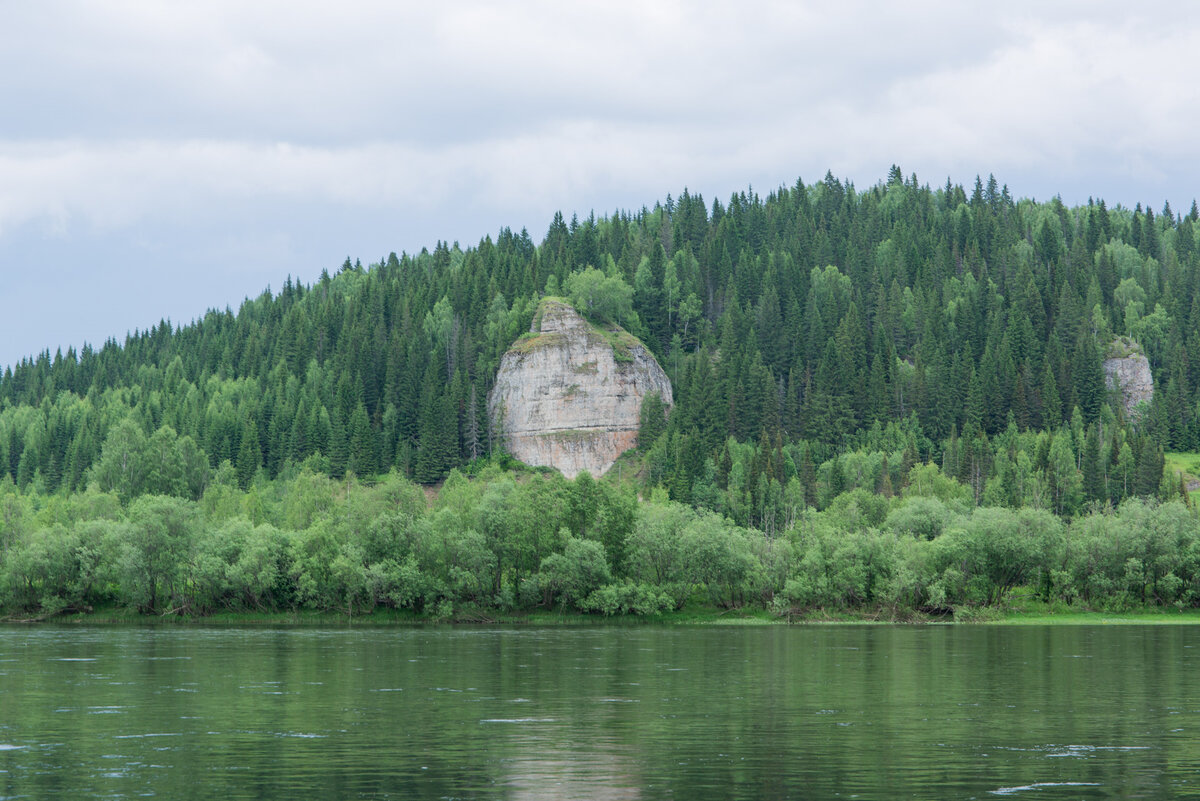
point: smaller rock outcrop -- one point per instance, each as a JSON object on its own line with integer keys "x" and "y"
{"x": 569, "y": 394}
{"x": 1128, "y": 371}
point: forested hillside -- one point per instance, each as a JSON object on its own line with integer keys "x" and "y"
{"x": 820, "y": 341}
{"x": 819, "y": 317}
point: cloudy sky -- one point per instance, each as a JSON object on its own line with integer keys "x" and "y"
{"x": 159, "y": 159}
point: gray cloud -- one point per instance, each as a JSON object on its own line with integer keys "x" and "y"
{"x": 199, "y": 151}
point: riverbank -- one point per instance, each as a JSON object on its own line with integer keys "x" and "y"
{"x": 1025, "y": 612}
{"x": 401, "y": 618}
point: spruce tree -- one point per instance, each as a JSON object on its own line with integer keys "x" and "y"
{"x": 1093, "y": 480}
{"x": 249, "y": 457}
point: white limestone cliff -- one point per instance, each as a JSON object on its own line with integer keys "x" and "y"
{"x": 1128, "y": 371}
{"x": 569, "y": 393}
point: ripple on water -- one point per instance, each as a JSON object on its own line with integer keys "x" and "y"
{"x": 1053, "y": 750}
{"x": 1039, "y": 785}
{"x": 142, "y": 736}
{"x": 1084, "y": 750}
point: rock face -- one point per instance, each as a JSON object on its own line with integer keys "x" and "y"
{"x": 1128, "y": 371}
{"x": 568, "y": 394}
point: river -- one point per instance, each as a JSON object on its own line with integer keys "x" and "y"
{"x": 611, "y": 712}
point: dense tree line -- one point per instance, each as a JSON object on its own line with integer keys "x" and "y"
{"x": 505, "y": 541}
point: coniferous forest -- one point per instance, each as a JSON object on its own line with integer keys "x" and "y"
{"x": 885, "y": 399}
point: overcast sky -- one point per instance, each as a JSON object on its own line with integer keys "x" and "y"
{"x": 159, "y": 159}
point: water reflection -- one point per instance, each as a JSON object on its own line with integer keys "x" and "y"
{"x": 648, "y": 713}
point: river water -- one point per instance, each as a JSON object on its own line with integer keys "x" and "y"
{"x": 613, "y": 712}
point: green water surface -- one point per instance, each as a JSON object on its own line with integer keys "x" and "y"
{"x": 610, "y": 712}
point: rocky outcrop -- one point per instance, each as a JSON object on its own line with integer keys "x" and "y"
{"x": 1128, "y": 371}
{"x": 568, "y": 394}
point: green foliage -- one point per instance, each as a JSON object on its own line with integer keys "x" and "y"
{"x": 922, "y": 517}
{"x": 54, "y": 571}
{"x": 149, "y": 554}
{"x": 627, "y": 598}
{"x": 572, "y": 575}
{"x": 600, "y": 297}
{"x": 897, "y": 357}
{"x": 122, "y": 467}
{"x": 165, "y": 464}
{"x": 501, "y": 542}
{"x": 983, "y": 557}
